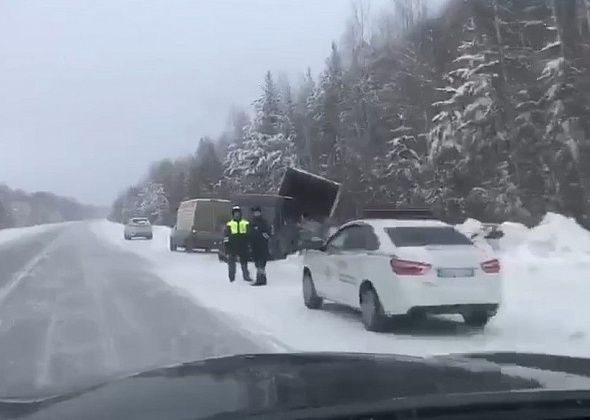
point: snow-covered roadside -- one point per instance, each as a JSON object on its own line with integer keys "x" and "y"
{"x": 544, "y": 308}
{"x": 11, "y": 234}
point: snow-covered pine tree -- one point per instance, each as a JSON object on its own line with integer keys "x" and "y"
{"x": 152, "y": 202}
{"x": 258, "y": 163}
{"x": 470, "y": 141}
{"x": 567, "y": 80}
{"x": 325, "y": 109}
{"x": 303, "y": 122}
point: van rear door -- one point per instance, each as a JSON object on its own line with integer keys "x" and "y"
{"x": 211, "y": 215}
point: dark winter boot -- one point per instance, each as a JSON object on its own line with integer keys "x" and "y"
{"x": 260, "y": 277}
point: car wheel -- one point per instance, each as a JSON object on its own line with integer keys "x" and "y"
{"x": 173, "y": 246}
{"x": 371, "y": 310}
{"x": 310, "y": 296}
{"x": 127, "y": 238}
{"x": 477, "y": 319}
{"x": 149, "y": 238}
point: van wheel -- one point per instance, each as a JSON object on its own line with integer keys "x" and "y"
{"x": 476, "y": 319}
{"x": 310, "y": 296}
{"x": 374, "y": 318}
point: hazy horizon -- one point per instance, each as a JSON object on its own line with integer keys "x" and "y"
{"x": 92, "y": 92}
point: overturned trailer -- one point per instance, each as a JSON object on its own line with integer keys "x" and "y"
{"x": 316, "y": 197}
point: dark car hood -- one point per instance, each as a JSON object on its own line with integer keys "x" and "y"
{"x": 277, "y": 383}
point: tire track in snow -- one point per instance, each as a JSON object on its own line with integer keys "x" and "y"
{"x": 27, "y": 270}
{"x": 43, "y": 378}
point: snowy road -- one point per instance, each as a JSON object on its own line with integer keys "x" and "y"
{"x": 78, "y": 302}
{"x": 75, "y": 309}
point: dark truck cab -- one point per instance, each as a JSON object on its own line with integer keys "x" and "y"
{"x": 281, "y": 213}
{"x": 304, "y": 199}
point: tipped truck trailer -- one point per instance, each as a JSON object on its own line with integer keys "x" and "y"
{"x": 199, "y": 224}
{"x": 316, "y": 197}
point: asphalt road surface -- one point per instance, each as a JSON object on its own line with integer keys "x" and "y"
{"x": 75, "y": 311}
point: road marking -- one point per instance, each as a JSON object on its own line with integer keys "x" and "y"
{"x": 26, "y": 271}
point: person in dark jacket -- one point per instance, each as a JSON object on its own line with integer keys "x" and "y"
{"x": 236, "y": 242}
{"x": 259, "y": 235}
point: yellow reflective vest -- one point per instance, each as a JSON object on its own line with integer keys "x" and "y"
{"x": 238, "y": 228}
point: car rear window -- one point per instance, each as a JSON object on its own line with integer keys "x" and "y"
{"x": 140, "y": 221}
{"x": 426, "y": 235}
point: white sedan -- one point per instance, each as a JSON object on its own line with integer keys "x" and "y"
{"x": 138, "y": 227}
{"x": 389, "y": 267}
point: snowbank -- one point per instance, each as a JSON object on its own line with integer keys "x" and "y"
{"x": 7, "y": 235}
{"x": 544, "y": 309}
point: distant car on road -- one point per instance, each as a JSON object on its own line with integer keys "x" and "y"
{"x": 138, "y": 227}
{"x": 200, "y": 224}
{"x": 392, "y": 267}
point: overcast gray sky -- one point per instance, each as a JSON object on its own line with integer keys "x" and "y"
{"x": 92, "y": 91}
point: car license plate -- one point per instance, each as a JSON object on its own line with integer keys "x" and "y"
{"x": 456, "y": 272}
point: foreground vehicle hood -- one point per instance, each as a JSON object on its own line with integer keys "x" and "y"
{"x": 270, "y": 384}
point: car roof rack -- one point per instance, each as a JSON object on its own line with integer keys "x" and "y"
{"x": 406, "y": 214}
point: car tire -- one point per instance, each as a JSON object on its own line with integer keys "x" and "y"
{"x": 310, "y": 296}
{"x": 173, "y": 246}
{"x": 476, "y": 319}
{"x": 127, "y": 238}
{"x": 149, "y": 238}
{"x": 372, "y": 314}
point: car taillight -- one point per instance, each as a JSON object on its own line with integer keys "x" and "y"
{"x": 409, "y": 268}
{"x": 491, "y": 266}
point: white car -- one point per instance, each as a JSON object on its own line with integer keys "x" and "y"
{"x": 389, "y": 267}
{"x": 138, "y": 227}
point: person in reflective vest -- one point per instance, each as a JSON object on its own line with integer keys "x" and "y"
{"x": 237, "y": 246}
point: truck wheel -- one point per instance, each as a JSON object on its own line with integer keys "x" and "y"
{"x": 310, "y": 296}
{"x": 374, "y": 318}
{"x": 476, "y": 319}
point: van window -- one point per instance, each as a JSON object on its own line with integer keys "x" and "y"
{"x": 140, "y": 221}
{"x": 426, "y": 235}
{"x": 185, "y": 215}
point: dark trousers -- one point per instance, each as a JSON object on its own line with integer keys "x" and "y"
{"x": 260, "y": 264}
{"x": 231, "y": 266}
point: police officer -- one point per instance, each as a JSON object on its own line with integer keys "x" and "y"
{"x": 259, "y": 235}
{"x": 236, "y": 243}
